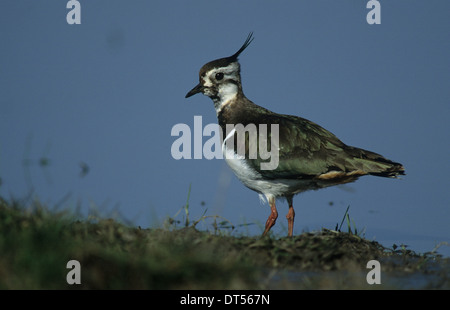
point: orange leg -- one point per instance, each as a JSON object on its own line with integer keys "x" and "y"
{"x": 290, "y": 217}
{"x": 272, "y": 217}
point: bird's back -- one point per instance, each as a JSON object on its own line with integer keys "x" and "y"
{"x": 307, "y": 150}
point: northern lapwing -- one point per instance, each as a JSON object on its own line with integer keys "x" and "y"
{"x": 309, "y": 156}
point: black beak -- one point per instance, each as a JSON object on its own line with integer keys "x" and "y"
{"x": 197, "y": 89}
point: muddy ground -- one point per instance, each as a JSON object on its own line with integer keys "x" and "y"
{"x": 36, "y": 245}
{"x": 328, "y": 260}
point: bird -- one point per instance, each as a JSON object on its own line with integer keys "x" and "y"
{"x": 309, "y": 156}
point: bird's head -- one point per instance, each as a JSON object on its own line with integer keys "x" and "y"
{"x": 220, "y": 79}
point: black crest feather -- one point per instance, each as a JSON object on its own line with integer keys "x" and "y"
{"x": 223, "y": 62}
{"x": 243, "y": 47}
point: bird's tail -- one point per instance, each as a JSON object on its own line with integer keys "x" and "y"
{"x": 375, "y": 164}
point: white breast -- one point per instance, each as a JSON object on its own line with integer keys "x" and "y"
{"x": 238, "y": 164}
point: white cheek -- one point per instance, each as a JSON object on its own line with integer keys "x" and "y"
{"x": 227, "y": 92}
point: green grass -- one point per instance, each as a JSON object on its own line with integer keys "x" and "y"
{"x": 36, "y": 244}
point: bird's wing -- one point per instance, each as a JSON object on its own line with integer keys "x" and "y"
{"x": 306, "y": 150}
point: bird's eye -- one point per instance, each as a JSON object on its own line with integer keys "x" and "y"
{"x": 219, "y": 76}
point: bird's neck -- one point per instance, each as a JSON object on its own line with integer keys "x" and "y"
{"x": 227, "y": 94}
